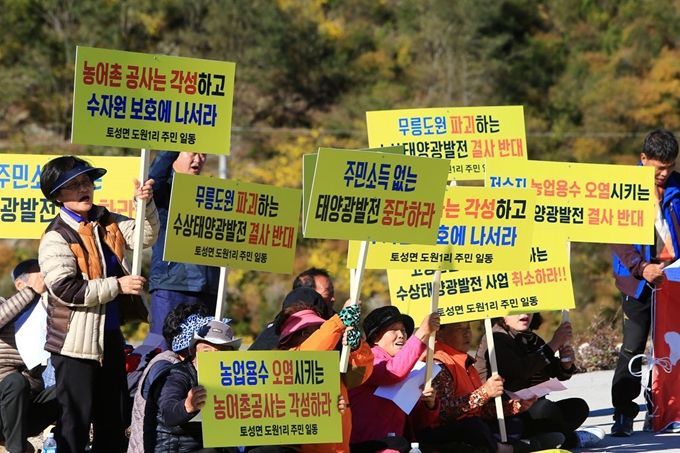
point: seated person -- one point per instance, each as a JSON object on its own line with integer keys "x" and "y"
{"x": 181, "y": 397}
{"x": 467, "y": 405}
{"x": 26, "y": 406}
{"x": 178, "y": 331}
{"x": 378, "y": 423}
{"x": 524, "y": 360}
{"x": 301, "y": 328}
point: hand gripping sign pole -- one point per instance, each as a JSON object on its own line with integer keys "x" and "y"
{"x": 356, "y": 276}
{"x": 494, "y": 372}
{"x": 140, "y": 216}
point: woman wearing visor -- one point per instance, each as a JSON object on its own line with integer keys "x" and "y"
{"x": 91, "y": 294}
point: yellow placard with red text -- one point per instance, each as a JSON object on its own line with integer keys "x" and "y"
{"x": 137, "y": 100}
{"x": 472, "y": 295}
{"x": 464, "y": 136}
{"x": 480, "y": 229}
{"x": 227, "y": 223}
{"x": 611, "y": 204}
{"x": 365, "y": 195}
{"x": 270, "y": 398}
{"x": 25, "y": 212}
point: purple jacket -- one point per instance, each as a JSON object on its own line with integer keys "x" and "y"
{"x": 374, "y": 417}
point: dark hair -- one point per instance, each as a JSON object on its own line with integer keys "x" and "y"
{"x": 289, "y": 310}
{"x": 55, "y": 169}
{"x": 661, "y": 145}
{"x": 171, "y": 326}
{"x": 306, "y": 278}
{"x": 535, "y": 323}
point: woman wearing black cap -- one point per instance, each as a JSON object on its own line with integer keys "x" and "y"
{"x": 374, "y": 418}
{"x": 82, "y": 257}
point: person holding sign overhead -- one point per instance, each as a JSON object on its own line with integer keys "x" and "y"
{"x": 172, "y": 283}
{"x": 90, "y": 295}
{"x": 524, "y": 360}
{"x": 378, "y": 423}
{"x": 639, "y": 272}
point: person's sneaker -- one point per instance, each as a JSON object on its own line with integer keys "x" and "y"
{"x": 587, "y": 437}
{"x": 623, "y": 426}
{"x": 547, "y": 441}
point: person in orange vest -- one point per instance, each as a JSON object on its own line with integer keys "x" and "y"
{"x": 467, "y": 405}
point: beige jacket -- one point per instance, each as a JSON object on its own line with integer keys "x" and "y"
{"x": 72, "y": 261}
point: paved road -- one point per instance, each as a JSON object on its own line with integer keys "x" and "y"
{"x": 595, "y": 388}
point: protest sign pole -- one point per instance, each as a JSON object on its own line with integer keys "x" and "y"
{"x": 434, "y": 306}
{"x": 221, "y": 305}
{"x": 355, "y": 278}
{"x": 140, "y": 216}
{"x": 494, "y": 372}
{"x": 565, "y": 313}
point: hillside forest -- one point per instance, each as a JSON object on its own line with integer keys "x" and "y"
{"x": 594, "y": 76}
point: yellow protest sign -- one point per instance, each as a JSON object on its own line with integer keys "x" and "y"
{"x": 612, "y": 204}
{"x": 270, "y": 397}
{"x": 375, "y": 196}
{"x": 25, "y": 213}
{"x": 472, "y": 295}
{"x": 308, "y": 167}
{"x": 137, "y": 100}
{"x": 464, "y": 136}
{"x": 227, "y": 223}
{"x": 480, "y": 229}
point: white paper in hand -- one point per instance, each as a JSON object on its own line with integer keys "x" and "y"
{"x": 407, "y": 393}
{"x": 542, "y": 389}
{"x": 30, "y": 335}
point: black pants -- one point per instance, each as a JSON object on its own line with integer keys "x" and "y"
{"x": 92, "y": 393}
{"x": 23, "y": 415}
{"x": 637, "y": 320}
{"x": 470, "y": 430}
{"x": 401, "y": 444}
{"x": 563, "y": 416}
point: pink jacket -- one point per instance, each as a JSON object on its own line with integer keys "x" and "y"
{"x": 374, "y": 417}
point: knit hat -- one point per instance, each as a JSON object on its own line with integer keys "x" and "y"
{"x": 216, "y": 333}
{"x": 298, "y": 321}
{"x": 383, "y": 317}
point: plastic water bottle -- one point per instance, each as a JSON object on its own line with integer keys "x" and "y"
{"x": 415, "y": 447}
{"x": 50, "y": 444}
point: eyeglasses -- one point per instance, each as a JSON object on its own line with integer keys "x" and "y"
{"x": 75, "y": 186}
